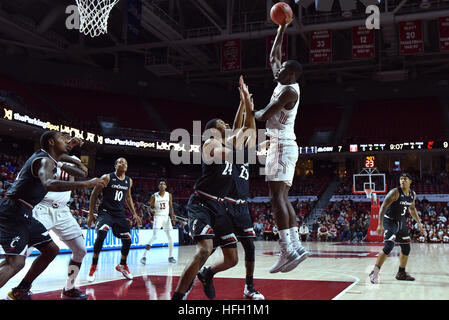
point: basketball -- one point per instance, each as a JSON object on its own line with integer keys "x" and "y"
{"x": 281, "y": 13}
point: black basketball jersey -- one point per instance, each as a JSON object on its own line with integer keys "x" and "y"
{"x": 114, "y": 195}
{"x": 28, "y": 186}
{"x": 400, "y": 207}
{"x": 240, "y": 176}
{"x": 216, "y": 179}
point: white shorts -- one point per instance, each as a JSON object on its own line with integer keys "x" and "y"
{"x": 59, "y": 220}
{"x": 281, "y": 161}
{"x": 162, "y": 222}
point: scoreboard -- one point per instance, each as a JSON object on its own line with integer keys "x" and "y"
{"x": 377, "y": 147}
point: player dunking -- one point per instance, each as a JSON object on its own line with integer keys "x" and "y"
{"x": 19, "y": 230}
{"x": 394, "y": 227}
{"x": 280, "y": 116}
{"x": 161, "y": 205}
{"x": 112, "y": 215}
{"x": 236, "y": 201}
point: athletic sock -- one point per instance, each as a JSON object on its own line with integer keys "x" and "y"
{"x": 401, "y": 269}
{"x": 95, "y": 261}
{"x": 284, "y": 235}
{"x": 294, "y": 235}
{"x": 74, "y": 269}
{"x": 123, "y": 261}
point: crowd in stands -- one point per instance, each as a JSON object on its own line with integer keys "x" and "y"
{"x": 345, "y": 220}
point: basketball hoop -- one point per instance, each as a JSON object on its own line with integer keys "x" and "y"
{"x": 94, "y": 16}
{"x": 368, "y": 192}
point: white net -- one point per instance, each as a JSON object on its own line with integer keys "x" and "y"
{"x": 94, "y": 16}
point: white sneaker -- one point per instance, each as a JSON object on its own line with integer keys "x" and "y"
{"x": 252, "y": 294}
{"x": 374, "y": 276}
{"x": 92, "y": 273}
{"x": 125, "y": 271}
{"x": 287, "y": 256}
{"x": 303, "y": 254}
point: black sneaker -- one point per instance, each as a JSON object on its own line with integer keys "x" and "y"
{"x": 73, "y": 294}
{"x": 172, "y": 260}
{"x": 205, "y": 276}
{"x": 404, "y": 276}
{"x": 19, "y": 294}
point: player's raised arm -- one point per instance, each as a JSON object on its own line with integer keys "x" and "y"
{"x": 79, "y": 170}
{"x": 94, "y": 197}
{"x": 391, "y": 197}
{"x": 45, "y": 170}
{"x": 238, "y": 119}
{"x": 214, "y": 149}
{"x": 287, "y": 97}
{"x": 276, "y": 50}
{"x": 415, "y": 215}
{"x": 250, "y": 121}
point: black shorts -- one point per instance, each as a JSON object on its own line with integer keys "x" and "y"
{"x": 18, "y": 233}
{"x": 396, "y": 230}
{"x": 208, "y": 220}
{"x": 117, "y": 223}
{"x": 241, "y": 219}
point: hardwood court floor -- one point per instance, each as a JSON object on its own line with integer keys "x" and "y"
{"x": 333, "y": 271}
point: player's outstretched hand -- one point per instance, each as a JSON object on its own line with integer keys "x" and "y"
{"x": 95, "y": 182}
{"x": 90, "y": 219}
{"x": 137, "y": 220}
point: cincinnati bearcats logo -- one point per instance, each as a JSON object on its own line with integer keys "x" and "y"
{"x": 14, "y": 242}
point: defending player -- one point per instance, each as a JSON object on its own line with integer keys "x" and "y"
{"x": 162, "y": 209}
{"x": 394, "y": 227}
{"x": 280, "y": 116}
{"x": 112, "y": 215}
{"x": 19, "y": 230}
{"x": 236, "y": 201}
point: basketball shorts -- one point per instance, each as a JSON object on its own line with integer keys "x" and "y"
{"x": 396, "y": 230}
{"x": 208, "y": 220}
{"x": 59, "y": 220}
{"x": 281, "y": 161}
{"x": 241, "y": 219}
{"x": 18, "y": 233}
{"x": 118, "y": 224}
{"x": 162, "y": 222}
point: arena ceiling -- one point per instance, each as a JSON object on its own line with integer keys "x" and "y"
{"x": 182, "y": 38}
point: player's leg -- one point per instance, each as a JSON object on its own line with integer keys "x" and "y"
{"x": 168, "y": 227}
{"x": 121, "y": 230}
{"x": 404, "y": 238}
{"x": 103, "y": 225}
{"x": 203, "y": 251}
{"x": 282, "y": 218}
{"x": 294, "y": 235}
{"x": 69, "y": 231}
{"x": 391, "y": 228}
{"x": 10, "y": 267}
{"x": 156, "y": 230}
{"x": 78, "y": 252}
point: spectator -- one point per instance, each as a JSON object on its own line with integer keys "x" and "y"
{"x": 323, "y": 233}
{"x": 304, "y": 232}
{"x": 333, "y": 232}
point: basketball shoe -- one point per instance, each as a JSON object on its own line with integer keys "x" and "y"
{"x": 93, "y": 270}
{"x": 124, "y": 270}
{"x": 287, "y": 257}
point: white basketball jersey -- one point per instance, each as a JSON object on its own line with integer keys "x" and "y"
{"x": 62, "y": 198}
{"x": 282, "y": 124}
{"x": 162, "y": 204}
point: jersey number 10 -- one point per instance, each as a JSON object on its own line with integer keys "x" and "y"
{"x": 118, "y": 195}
